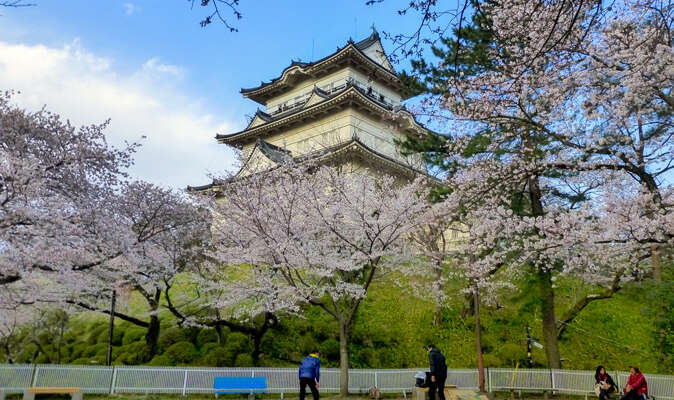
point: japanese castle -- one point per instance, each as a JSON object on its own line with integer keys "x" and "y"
{"x": 344, "y": 109}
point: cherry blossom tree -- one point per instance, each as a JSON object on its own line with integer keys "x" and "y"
{"x": 53, "y": 178}
{"x": 601, "y": 88}
{"x": 72, "y": 229}
{"x": 311, "y": 236}
{"x": 168, "y": 234}
{"x": 544, "y": 98}
{"x": 204, "y": 301}
{"x": 502, "y": 241}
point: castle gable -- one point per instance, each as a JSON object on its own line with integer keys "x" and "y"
{"x": 367, "y": 57}
{"x": 373, "y": 49}
{"x": 317, "y": 96}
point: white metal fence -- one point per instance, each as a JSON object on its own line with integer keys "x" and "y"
{"x": 15, "y": 378}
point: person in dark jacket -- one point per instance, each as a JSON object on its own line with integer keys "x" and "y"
{"x": 438, "y": 373}
{"x": 310, "y": 374}
{"x": 605, "y": 382}
{"x": 636, "y": 387}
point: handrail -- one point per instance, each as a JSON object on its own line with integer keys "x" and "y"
{"x": 189, "y": 380}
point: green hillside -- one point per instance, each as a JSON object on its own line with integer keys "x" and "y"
{"x": 391, "y": 330}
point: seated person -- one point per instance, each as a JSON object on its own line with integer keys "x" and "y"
{"x": 636, "y": 388}
{"x": 604, "y": 383}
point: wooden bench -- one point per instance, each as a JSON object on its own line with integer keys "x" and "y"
{"x": 74, "y": 392}
{"x": 239, "y": 384}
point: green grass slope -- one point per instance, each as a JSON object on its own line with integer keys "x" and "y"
{"x": 391, "y": 330}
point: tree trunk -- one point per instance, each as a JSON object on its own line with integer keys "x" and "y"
{"x": 468, "y": 309}
{"x": 257, "y": 341}
{"x": 111, "y": 327}
{"x": 343, "y": 358}
{"x": 549, "y": 319}
{"x": 478, "y": 340}
{"x": 60, "y": 342}
{"x": 437, "y": 313}
{"x": 152, "y": 336}
{"x": 655, "y": 263}
{"x": 221, "y": 335}
{"x": 545, "y": 282}
{"x": 8, "y": 353}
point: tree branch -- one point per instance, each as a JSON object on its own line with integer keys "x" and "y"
{"x": 16, "y": 4}
{"x": 580, "y": 305}
{"x": 121, "y": 316}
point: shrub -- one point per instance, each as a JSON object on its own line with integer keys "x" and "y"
{"x": 208, "y": 347}
{"x": 170, "y": 337}
{"x": 243, "y": 360}
{"x": 181, "y": 352}
{"x": 95, "y": 333}
{"x": 236, "y": 343}
{"x": 161, "y": 361}
{"x": 307, "y": 343}
{"x": 491, "y": 361}
{"x": 77, "y": 351}
{"x": 510, "y": 353}
{"x": 102, "y": 350}
{"x": 215, "y": 357}
{"x": 207, "y": 336}
{"x": 91, "y": 351}
{"x": 118, "y": 336}
{"x": 330, "y": 348}
{"x": 191, "y": 333}
{"x": 133, "y": 334}
{"x": 132, "y": 354}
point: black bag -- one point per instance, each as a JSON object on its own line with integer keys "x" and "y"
{"x": 423, "y": 379}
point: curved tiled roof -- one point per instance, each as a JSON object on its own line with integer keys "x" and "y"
{"x": 275, "y": 153}
{"x": 355, "y": 144}
{"x": 347, "y": 147}
{"x": 350, "y": 91}
{"x": 260, "y": 93}
{"x": 209, "y": 186}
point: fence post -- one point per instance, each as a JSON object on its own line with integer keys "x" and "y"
{"x": 113, "y": 381}
{"x": 185, "y": 383}
{"x": 375, "y": 379}
{"x": 488, "y": 380}
{"x": 37, "y": 371}
{"x": 552, "y": 382}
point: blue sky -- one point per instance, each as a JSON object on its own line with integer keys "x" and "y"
{"x": 154, "y": 71}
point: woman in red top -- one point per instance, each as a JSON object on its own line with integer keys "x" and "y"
{"x": 636, "y": 388}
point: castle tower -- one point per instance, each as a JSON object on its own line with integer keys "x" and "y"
{"x": 344, "y": 109}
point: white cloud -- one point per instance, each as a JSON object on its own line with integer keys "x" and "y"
{"x": 130, "y": 8}
{"x": 153, "y": 66}
{"x": 179, "y": 149}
